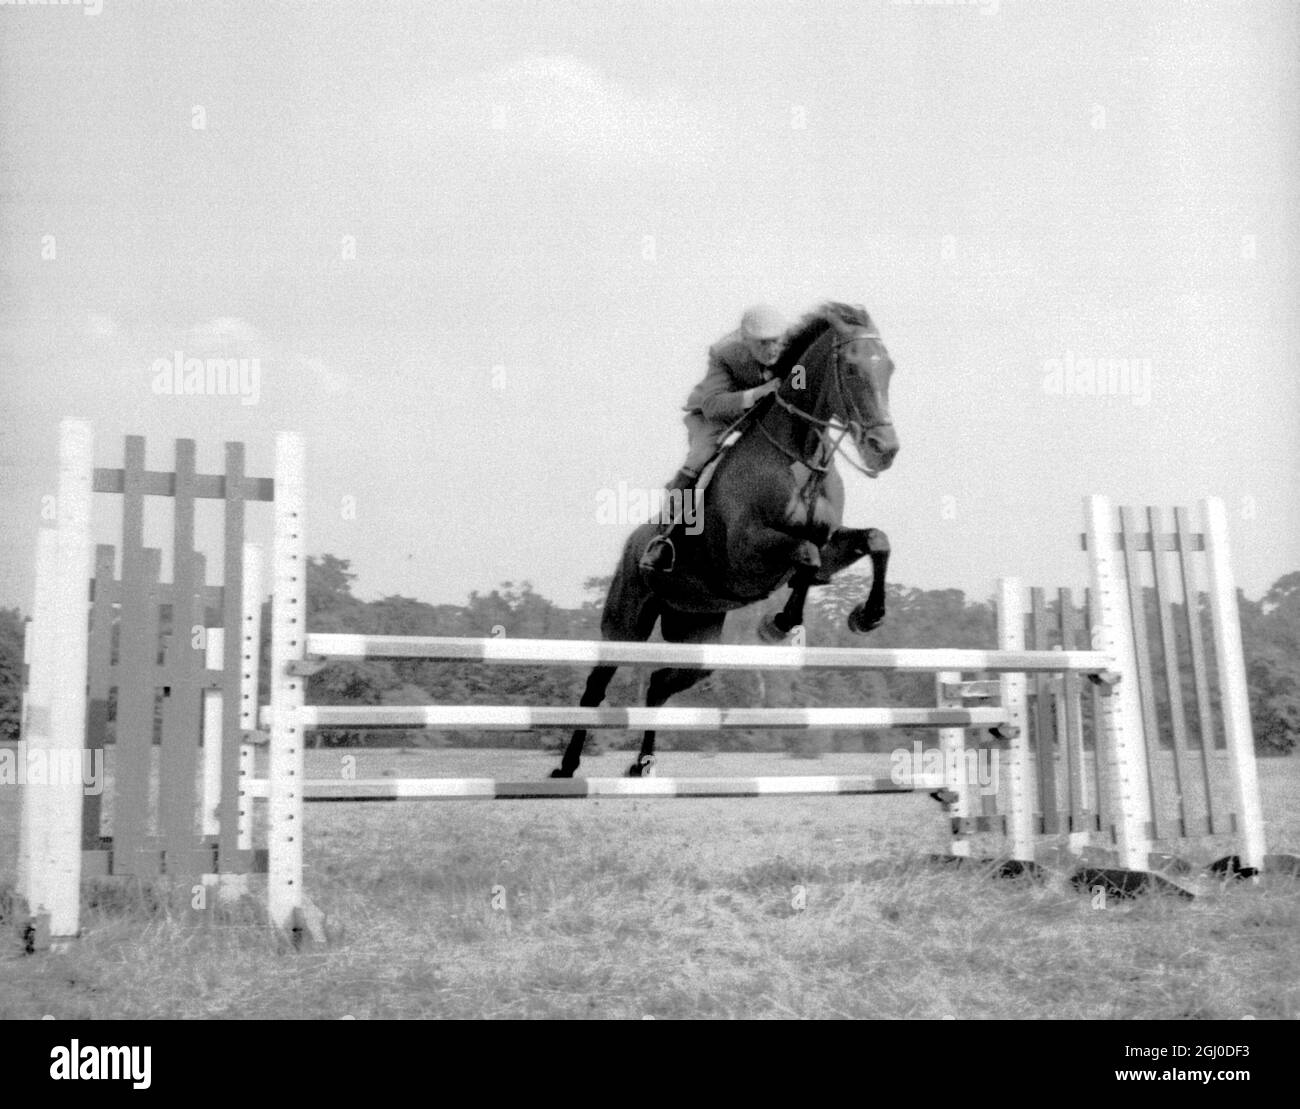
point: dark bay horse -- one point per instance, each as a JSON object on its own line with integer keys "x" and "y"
{"x": 771, "y": 513}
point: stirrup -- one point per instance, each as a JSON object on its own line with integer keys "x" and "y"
{"x": 647, "y": 562}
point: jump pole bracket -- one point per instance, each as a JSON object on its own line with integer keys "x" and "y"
{"x": 979, "y": 690}
{"x": 305, "y": 667}
{"x": 308, "y": 930}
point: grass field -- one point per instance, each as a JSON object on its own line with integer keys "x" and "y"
{"x": 775, "y": 907}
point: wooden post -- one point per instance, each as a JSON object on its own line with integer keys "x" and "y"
{"x": 1082, "y": 808}
{"x": 54, "y": 712}
{"x": 249, "y": 652}
{"x": 1120, "y": 732}
{"x": 1232, "y": 683}
{"x": 1020, "y": 793}
{"x": 211, "y": 816}
{"x": 233, "y": 884}
{"x": 288, "y": 643}
{"x": 952, "y": 745}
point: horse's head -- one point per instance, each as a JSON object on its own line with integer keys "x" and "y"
{"x": 860, "y": 373}
{"x": 848, "y": 372}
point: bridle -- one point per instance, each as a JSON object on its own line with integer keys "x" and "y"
{"x": 825, "y": 427}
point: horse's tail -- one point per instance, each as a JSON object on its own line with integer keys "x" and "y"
{"x": 631, "y": 607}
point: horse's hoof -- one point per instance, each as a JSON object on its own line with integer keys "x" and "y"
{"x": 861, "y": 622}
{"x": 643, "y": 768}
{"x": 807, "y": 556}
{"x": 560, "y": 772}
{"x": 769, "y": 631}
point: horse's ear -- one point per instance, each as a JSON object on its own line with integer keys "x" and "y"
{"x": 836, "y": 316}
{"x": 845, "y": 317}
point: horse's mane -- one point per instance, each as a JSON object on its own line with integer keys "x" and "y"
{"x": 805, "y": 331}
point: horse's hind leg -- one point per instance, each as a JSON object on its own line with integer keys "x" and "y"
{"x": 597, "y": 683}
{"x": 663, "y": 684}
{"x": 677, "y": 627}
{"x": 629, "y": 617}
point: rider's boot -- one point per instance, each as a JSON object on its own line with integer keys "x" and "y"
{"x": 659, "y": 555}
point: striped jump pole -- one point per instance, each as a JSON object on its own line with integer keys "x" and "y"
{"x": 511, "y": 718}
{"x": 711, "y": 656}
{"x": 491, "y": 789}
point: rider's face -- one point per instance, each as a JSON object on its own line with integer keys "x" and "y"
{"x": 765, "y": 351}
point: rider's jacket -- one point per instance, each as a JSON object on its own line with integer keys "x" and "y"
{"x": 732, "y": 370}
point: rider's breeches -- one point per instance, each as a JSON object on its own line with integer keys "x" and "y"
{"x": 702, "y": 438}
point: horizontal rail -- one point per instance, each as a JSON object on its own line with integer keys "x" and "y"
{"x": 1143, "y": 541}
{"x": 523, "y": 717}
{"x": 712, "y": 656}
{"x": 161, "y": 483}
{"x": 490, "y": 789}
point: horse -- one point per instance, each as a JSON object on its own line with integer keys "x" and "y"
{"x": 771, "y": 515}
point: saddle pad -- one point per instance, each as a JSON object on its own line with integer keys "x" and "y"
{"x": 706, "y": 475}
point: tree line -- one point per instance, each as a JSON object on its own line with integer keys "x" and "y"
{"x": 917, "y": 618}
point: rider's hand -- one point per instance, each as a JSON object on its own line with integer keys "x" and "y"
{"x": 754, "y": 395}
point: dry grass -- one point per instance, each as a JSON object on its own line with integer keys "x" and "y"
{"x": 778, "y": 907}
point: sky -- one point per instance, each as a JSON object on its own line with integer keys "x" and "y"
{"x": 476, "y": 254}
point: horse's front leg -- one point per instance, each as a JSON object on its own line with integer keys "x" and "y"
{"x": 845, "y": 547}
{"x": 784, "y": 552}
{"x": 776, "y": 628}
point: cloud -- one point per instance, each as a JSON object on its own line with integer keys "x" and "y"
{"x": 100, "y": 325}
{"x": 563, "y": 104}
{"x": 220, "y": 334}
{"x": 327, "y": 380}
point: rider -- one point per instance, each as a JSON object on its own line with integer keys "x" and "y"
{"x": 740, "y": 374}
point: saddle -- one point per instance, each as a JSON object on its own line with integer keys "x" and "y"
{"x": 653, "y": 554}
{"x": 730, "y": 437}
